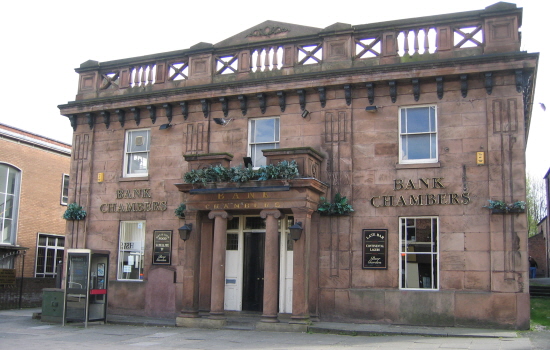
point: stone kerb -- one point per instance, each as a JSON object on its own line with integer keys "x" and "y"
{"x": 307, "y": 159}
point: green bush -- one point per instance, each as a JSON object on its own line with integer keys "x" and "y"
{"x": 218, "y": 173}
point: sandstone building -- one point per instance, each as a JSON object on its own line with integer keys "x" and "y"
{"x": 417, "y": 122}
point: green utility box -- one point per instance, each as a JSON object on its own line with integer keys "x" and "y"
{"x": 53, "y": 300}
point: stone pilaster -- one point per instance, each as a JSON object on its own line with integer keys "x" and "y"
{"x": 271, "y": 266}
{"x": 300, "y": 288}
{"x": 191, "y": 267}
{"x": 218, "y": 263}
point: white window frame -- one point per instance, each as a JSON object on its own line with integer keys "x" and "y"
{"x": 137, "y": 251}
{"x": 252, "y": 142}
{"x": 58, "y": 254}
{"x": 128, "y": 154}
{"x": 64, "y": 186}
{"x": 404, "y": 134}
{"x": 15, "y": 205}
{"x": 405, "y": 255}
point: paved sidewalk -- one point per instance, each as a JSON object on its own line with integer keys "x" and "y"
{"x": 19, "y": 331}
{"x": 319, "y": 327}
{"x": 351, "y": 328}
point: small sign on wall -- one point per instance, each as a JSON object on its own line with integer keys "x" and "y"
{"x": 162, "y": 247}
{"x": 375, "y": 249}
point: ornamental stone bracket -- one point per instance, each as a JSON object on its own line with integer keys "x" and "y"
{"x": 201, "y": 161}
{"x": 308, "y": 159}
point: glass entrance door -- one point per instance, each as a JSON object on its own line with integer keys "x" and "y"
{"x": 244, "y": 264}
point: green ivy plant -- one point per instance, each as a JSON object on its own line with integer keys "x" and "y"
{"x": 218, "y": 173}
{"x": 180, "y": 211}
{"x": 339, "y": 206}
{"x": 518, "y": 206}
{"x": 74, "y": 212}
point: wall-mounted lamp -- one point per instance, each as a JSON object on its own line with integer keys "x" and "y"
{"x": 185, "y": 231}
{"x": 371, "y": 109}
{"x": 165, "y": 126}
{"x": 296, "y": 231}
{"x": 305, "y": 113}
{"x": 221, "y": 121}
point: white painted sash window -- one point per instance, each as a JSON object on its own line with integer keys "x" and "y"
{"x": 418, "y": 135}
{"x": 263, "y": 134}
{"x": 136, "y": 152}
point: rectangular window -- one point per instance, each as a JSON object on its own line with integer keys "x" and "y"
{"x": 49, "y": 254}
{"x": 131, "y": 250}
{"x": 419, "y": 253}
{"x": 136, "y": 152}
{"x": 65, "y": 190}
{"x": 418, "y": 135}
{"x": 263, "y": 134}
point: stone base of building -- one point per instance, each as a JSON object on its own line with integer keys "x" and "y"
{"x": 200, "y": 322}
{"x": 281, "y": 327}
{"x": 424, "y": 308}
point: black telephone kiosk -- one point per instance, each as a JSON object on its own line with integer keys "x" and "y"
{"x": 86, "y": 286}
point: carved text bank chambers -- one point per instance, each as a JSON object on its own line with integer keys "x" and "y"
{"x": 417, "y": 122}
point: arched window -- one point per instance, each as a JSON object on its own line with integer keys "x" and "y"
{"x": 10, "y": 178}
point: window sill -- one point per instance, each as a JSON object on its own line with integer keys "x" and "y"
{"x": 419, "y": 289}
{"x": 136, "y": 178}
{"x": 418, "y": 165}
{"x": 130, "y": 281}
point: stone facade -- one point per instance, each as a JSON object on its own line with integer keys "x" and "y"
{"x": 338, "y": 113}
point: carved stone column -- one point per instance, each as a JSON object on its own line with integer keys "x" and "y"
{"x": 218, "y": 263}
{"x": 271, "y": 265}
{"x": 190, "y": 250}
{"x": 300, "y": 283}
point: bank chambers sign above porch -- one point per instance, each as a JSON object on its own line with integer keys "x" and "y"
{"x": 141, "y": 203}
{"x": 435, "y": 183}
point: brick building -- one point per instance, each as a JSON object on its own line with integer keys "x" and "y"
{"x": 417, "y": 122}
{"x": 34, "y": 173}
{"x": 538, "y": 248}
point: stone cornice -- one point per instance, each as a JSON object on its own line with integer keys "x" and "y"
{"x": 463, "y": 65}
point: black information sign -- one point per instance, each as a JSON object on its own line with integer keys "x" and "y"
{"x": 162, "y": 247}
{"x": 7, "y": 277}
{"x": 375, "y": 251}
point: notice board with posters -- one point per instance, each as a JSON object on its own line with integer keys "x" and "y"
{"x": 375, "y": 248}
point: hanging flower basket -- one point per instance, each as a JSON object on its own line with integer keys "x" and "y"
{"x": 500, "y": 207}
{"x": 180, "y": 211}
{"x": 74, "y": 212}
{"x": 339, "y": 207}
